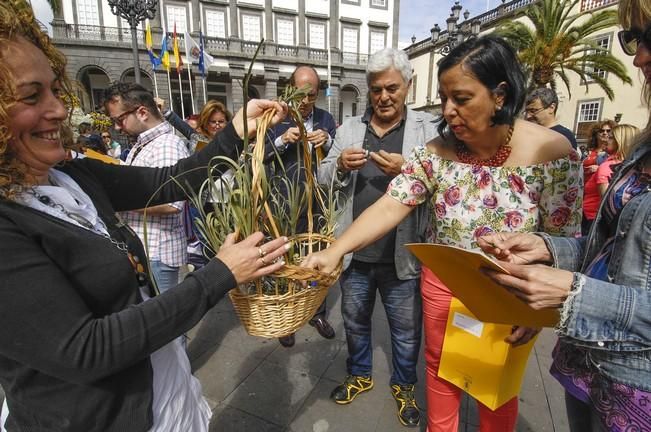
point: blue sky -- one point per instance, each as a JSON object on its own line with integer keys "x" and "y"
{"x": 417, "y": 17}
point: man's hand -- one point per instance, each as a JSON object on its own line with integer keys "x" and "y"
{"x": 291, "y": 135}
{"x": 389, "y": 163}
{"x": 160, "y": 103}
{"x": 318, "y": 137}
{"x": 351, "y": 159}
{"x": 255, "y": 109}
{"x": 160, "y": 210}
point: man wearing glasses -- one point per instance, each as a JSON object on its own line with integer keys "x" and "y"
{"x": 541, "y": 106}
{"x": 284, "y": 157}
{"x": 134, "y": 112}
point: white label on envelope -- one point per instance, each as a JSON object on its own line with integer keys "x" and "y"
{"x": 468, "y": 324}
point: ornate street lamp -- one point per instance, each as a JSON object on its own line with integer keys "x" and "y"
{"x": 455, "y": 33}
{"x": 134, "y": 12}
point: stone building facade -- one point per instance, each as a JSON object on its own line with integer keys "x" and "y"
{"x": 334, "y": 36}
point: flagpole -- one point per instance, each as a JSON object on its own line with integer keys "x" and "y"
{"x": 203, "y": 80}
{"x": 181, "y": 93}
{"x": 155, "y": 83}
{"x": 329, "y": 71}
{"x": 191, "y": 93}
{"x": 169, "y": 87}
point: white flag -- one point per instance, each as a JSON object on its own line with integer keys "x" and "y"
{"x": 194, "y": 52}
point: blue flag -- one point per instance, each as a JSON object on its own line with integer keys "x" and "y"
{"x": 202, "y": 67}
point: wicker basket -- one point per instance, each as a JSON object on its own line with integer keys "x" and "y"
{"x": 281, "y": 314}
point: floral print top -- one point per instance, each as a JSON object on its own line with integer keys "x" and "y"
{"x": 469, "y": 201}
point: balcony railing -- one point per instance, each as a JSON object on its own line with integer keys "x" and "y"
{"x": 95, "y": 33}
{"x": 220, "y": 47}
{"x": 485, "y": 19}
{"x": 587, "y": 5}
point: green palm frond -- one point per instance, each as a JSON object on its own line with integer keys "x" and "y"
{"x": 556, "y": 42}
{"x": 55, "y": 5}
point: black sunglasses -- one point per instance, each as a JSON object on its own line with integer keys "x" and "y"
{"x": 630, "y": 39}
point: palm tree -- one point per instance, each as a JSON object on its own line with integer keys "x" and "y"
{"x": 55, "y": 5}
{"x": 557, "y": 44}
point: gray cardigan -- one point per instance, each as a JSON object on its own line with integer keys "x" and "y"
{"x": 420, "y": 128}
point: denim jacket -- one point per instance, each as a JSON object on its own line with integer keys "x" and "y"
{"x": 611, "y": 320}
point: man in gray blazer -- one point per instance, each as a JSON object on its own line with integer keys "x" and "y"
{"x": 367, "y": 153}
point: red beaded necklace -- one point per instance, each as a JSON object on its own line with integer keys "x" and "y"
{"x": 501, "y": 155}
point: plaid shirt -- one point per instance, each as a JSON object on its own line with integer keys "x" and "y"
{"x": 166, "y": 240}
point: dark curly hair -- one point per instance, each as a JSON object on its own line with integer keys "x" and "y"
{"x": 17, "y": 21}
{"x": 492, "y": 61}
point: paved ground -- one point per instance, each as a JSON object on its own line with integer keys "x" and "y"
{"x": 256, "y": 385}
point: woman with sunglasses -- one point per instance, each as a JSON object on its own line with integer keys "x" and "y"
{"x": 598, "y": 154}
{"x": 601, "y": 284}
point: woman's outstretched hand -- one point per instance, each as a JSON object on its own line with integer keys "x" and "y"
{"x": 249, "y": 260}
{"x": 254, "y": 110}
{"x": 517, "y": 248}
{"x": 324, "y": 261}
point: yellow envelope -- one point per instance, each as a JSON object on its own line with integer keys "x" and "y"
{"x": 476, "y": 359}
{"x": 458, "y": 269}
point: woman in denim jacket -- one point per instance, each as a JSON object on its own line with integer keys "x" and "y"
{"x": 601, "y": 283}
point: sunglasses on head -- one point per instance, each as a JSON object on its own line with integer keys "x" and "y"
{"x": 631, "y": 39}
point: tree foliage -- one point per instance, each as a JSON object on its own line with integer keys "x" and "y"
{"x": 55, "y": 5}
{"x": 560, "y": 43}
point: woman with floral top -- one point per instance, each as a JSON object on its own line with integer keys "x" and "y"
{"x": 486, "y": 172}
{"x": 601, "y": 283}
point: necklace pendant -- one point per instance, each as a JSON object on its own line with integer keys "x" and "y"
{"x": 44, "y": 199}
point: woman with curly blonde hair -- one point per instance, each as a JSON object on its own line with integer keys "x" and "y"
{"x": 85, "y": 342}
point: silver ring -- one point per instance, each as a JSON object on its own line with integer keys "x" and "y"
{"x": 261, "y": 253}
{"x": 263, "y": 261}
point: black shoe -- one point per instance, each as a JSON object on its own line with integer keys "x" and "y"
{"x": 287, "y": 341}
{"x": 352, "y": 386}
{"x": 408, "y": 412}
{"x": 323, "y": 327}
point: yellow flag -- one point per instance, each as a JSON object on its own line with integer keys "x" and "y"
{"x": 164, "y": 54}
{"x": 148, "y": 42}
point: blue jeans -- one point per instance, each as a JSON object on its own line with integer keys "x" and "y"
{"x": 403, "y": 306}
{"x": 166, "y": 276}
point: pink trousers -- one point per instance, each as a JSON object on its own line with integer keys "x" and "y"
{"x": 443, "y": 398}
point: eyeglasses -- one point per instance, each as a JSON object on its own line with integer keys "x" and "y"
{"x": 106, "y": 136}
{"x": 120, "y": 119}
{"x": 311, "y": 97}
{"x": 533, "y": 111}
{"x": 631, "y": 39}
{"x": 605, "y": 131}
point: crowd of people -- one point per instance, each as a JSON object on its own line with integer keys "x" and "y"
{"x": 93, "y": 305}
